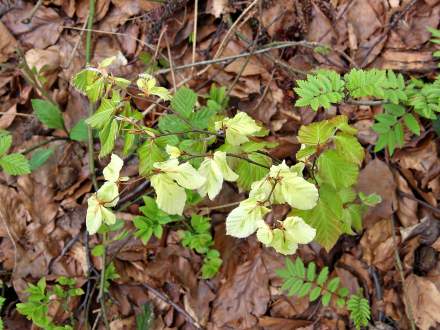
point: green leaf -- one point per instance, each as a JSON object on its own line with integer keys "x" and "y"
{"x": 336, "y": 170}
{"x": 201, "y": 118}
{"x": 360, "y": 312}
{"x": 315, "y": 293}
{"x": 325, "y": 217}
{"x": 349, "y": 147}
{"x": 326, "y": 298}
{"x": 311, "y": 271}
{"x": 103, "y": 114}
{"x": 145, "y": 319}
{"x": 48, "y": 113}
{"x": 323, "y": 88}
{"x": 343, "y": 292}
{"x": 295, "y": 286}
{"x": 173, "y": 124}
{"x": 323, "y": 276}
{"x": 79, "y": 132}
{"x": 184, "y": 101}
{"x": 5, "y": 142}
{"x": 107, "y": 137}
{"x": 149, "y": 153}
{"x": 84, "y": 78}
{"x": 317, "y": 133}
{"x": 211, "y": 264}
{"x": 340, "y": 302}
{"x": 290, "y": 266}
{"x": 39, "y": 157}
{"x": 333, "y": 284}
{"x": 304, "y": 290}
{"x": 98, "y": 250}
{"x": 15, "y": 164}
{"x": 412, "y": 123}
{"x": 299, "y": 267}
{"x": 248, "y": 172}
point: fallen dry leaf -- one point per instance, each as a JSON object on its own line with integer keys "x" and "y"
{"x": 243, "y": 297}
{"x": 377, "y": 178}
{"x": 43, "y": 31}
{"x": 7, "y": 43}
{"x": 424, "y": 299}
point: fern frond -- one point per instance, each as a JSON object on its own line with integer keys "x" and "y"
{"x": 360, "y": 312}
{"x": 321, "y": 89}
{"x": 425, "y": 100}
{"x": 394, "y": 87}
{"x": 362, "y": 83}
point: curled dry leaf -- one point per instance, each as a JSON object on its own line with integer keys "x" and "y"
{"x": 7, "y": 117}
{"x": 407, "y": 208}
{"x": 424, "y": 299}
{"x": 378, "y": 246}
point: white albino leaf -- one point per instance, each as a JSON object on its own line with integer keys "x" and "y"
{"x": 245, "y": 219}
{"x": 187, "y": 176}
{"x": 296, "y": 191}
{"x": 264, "y": 234}
{"x": 261, "y": 190}
{"x": 214, "y": 179}
{"x": 94, "y": 215}
{"x": 147, "y": 84}
{"x": 172, "y": 151}
{"x": 281, "y": 244}
{"x": 238, "y": 128}
{"x": 108, "y": 194}
{"x": 171, "y": 197}
{"x": 112, "y": 170}
{"x": 221, "y": 161}
{"x": 108, "y": 216}
{"x": 296, "y": 230}
{"x": 215, "y": 170}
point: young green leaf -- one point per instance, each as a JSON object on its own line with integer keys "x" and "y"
{"x": 5, "y": 142}
{"x": 412, "y": 123}
{"x": 79, "y": 131}
{"x": 48, "y": 113}
{"x": 183, "y": 101}
{"x": 39, "y": 157}
{"x": 15, "y": 164}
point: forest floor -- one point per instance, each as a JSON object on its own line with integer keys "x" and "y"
{"x": 395, "y": 258}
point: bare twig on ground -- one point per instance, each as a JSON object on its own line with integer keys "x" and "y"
{"x": 399, "y": 267}
{"x": 28, "y": 18}
{"x": 387, "y": 30}
{"x": 428, "y": 206}
{"x": 194, "y": 36}
{"x": 167, "y": 300}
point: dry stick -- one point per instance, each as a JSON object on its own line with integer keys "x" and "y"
{"x": 75, "y": 48}
{"x": 14, "y": 245}
{"x": 28, "y": 19}
{"x": 245, "y": 64}
{"x": 101, "y": 294}
{"x": 89, "y": 29}
{"x": 167, "y": 300}
{"x": 43, "y": 143}
{"x": 194, "y": 39}
{"x": 428, "y": 206}
{"x": 400, "y": 269}
{"x": 17, "y": 114}
{"x": 170, "y": 59}
{"x": 231, "y": 58}
{"x": 31, "y": 78}
{"x": 387, "y": 30}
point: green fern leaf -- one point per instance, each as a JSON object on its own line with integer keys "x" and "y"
{"x": 321, "y": 89}
{"x": 359, "y": 309}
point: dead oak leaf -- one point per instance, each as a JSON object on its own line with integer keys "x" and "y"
{"x": 243, "y": 297}
{"x": 424, "y": 299}
{"x": 43, "y": 30}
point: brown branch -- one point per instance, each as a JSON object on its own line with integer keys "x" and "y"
{"x": 167, "y": 300}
